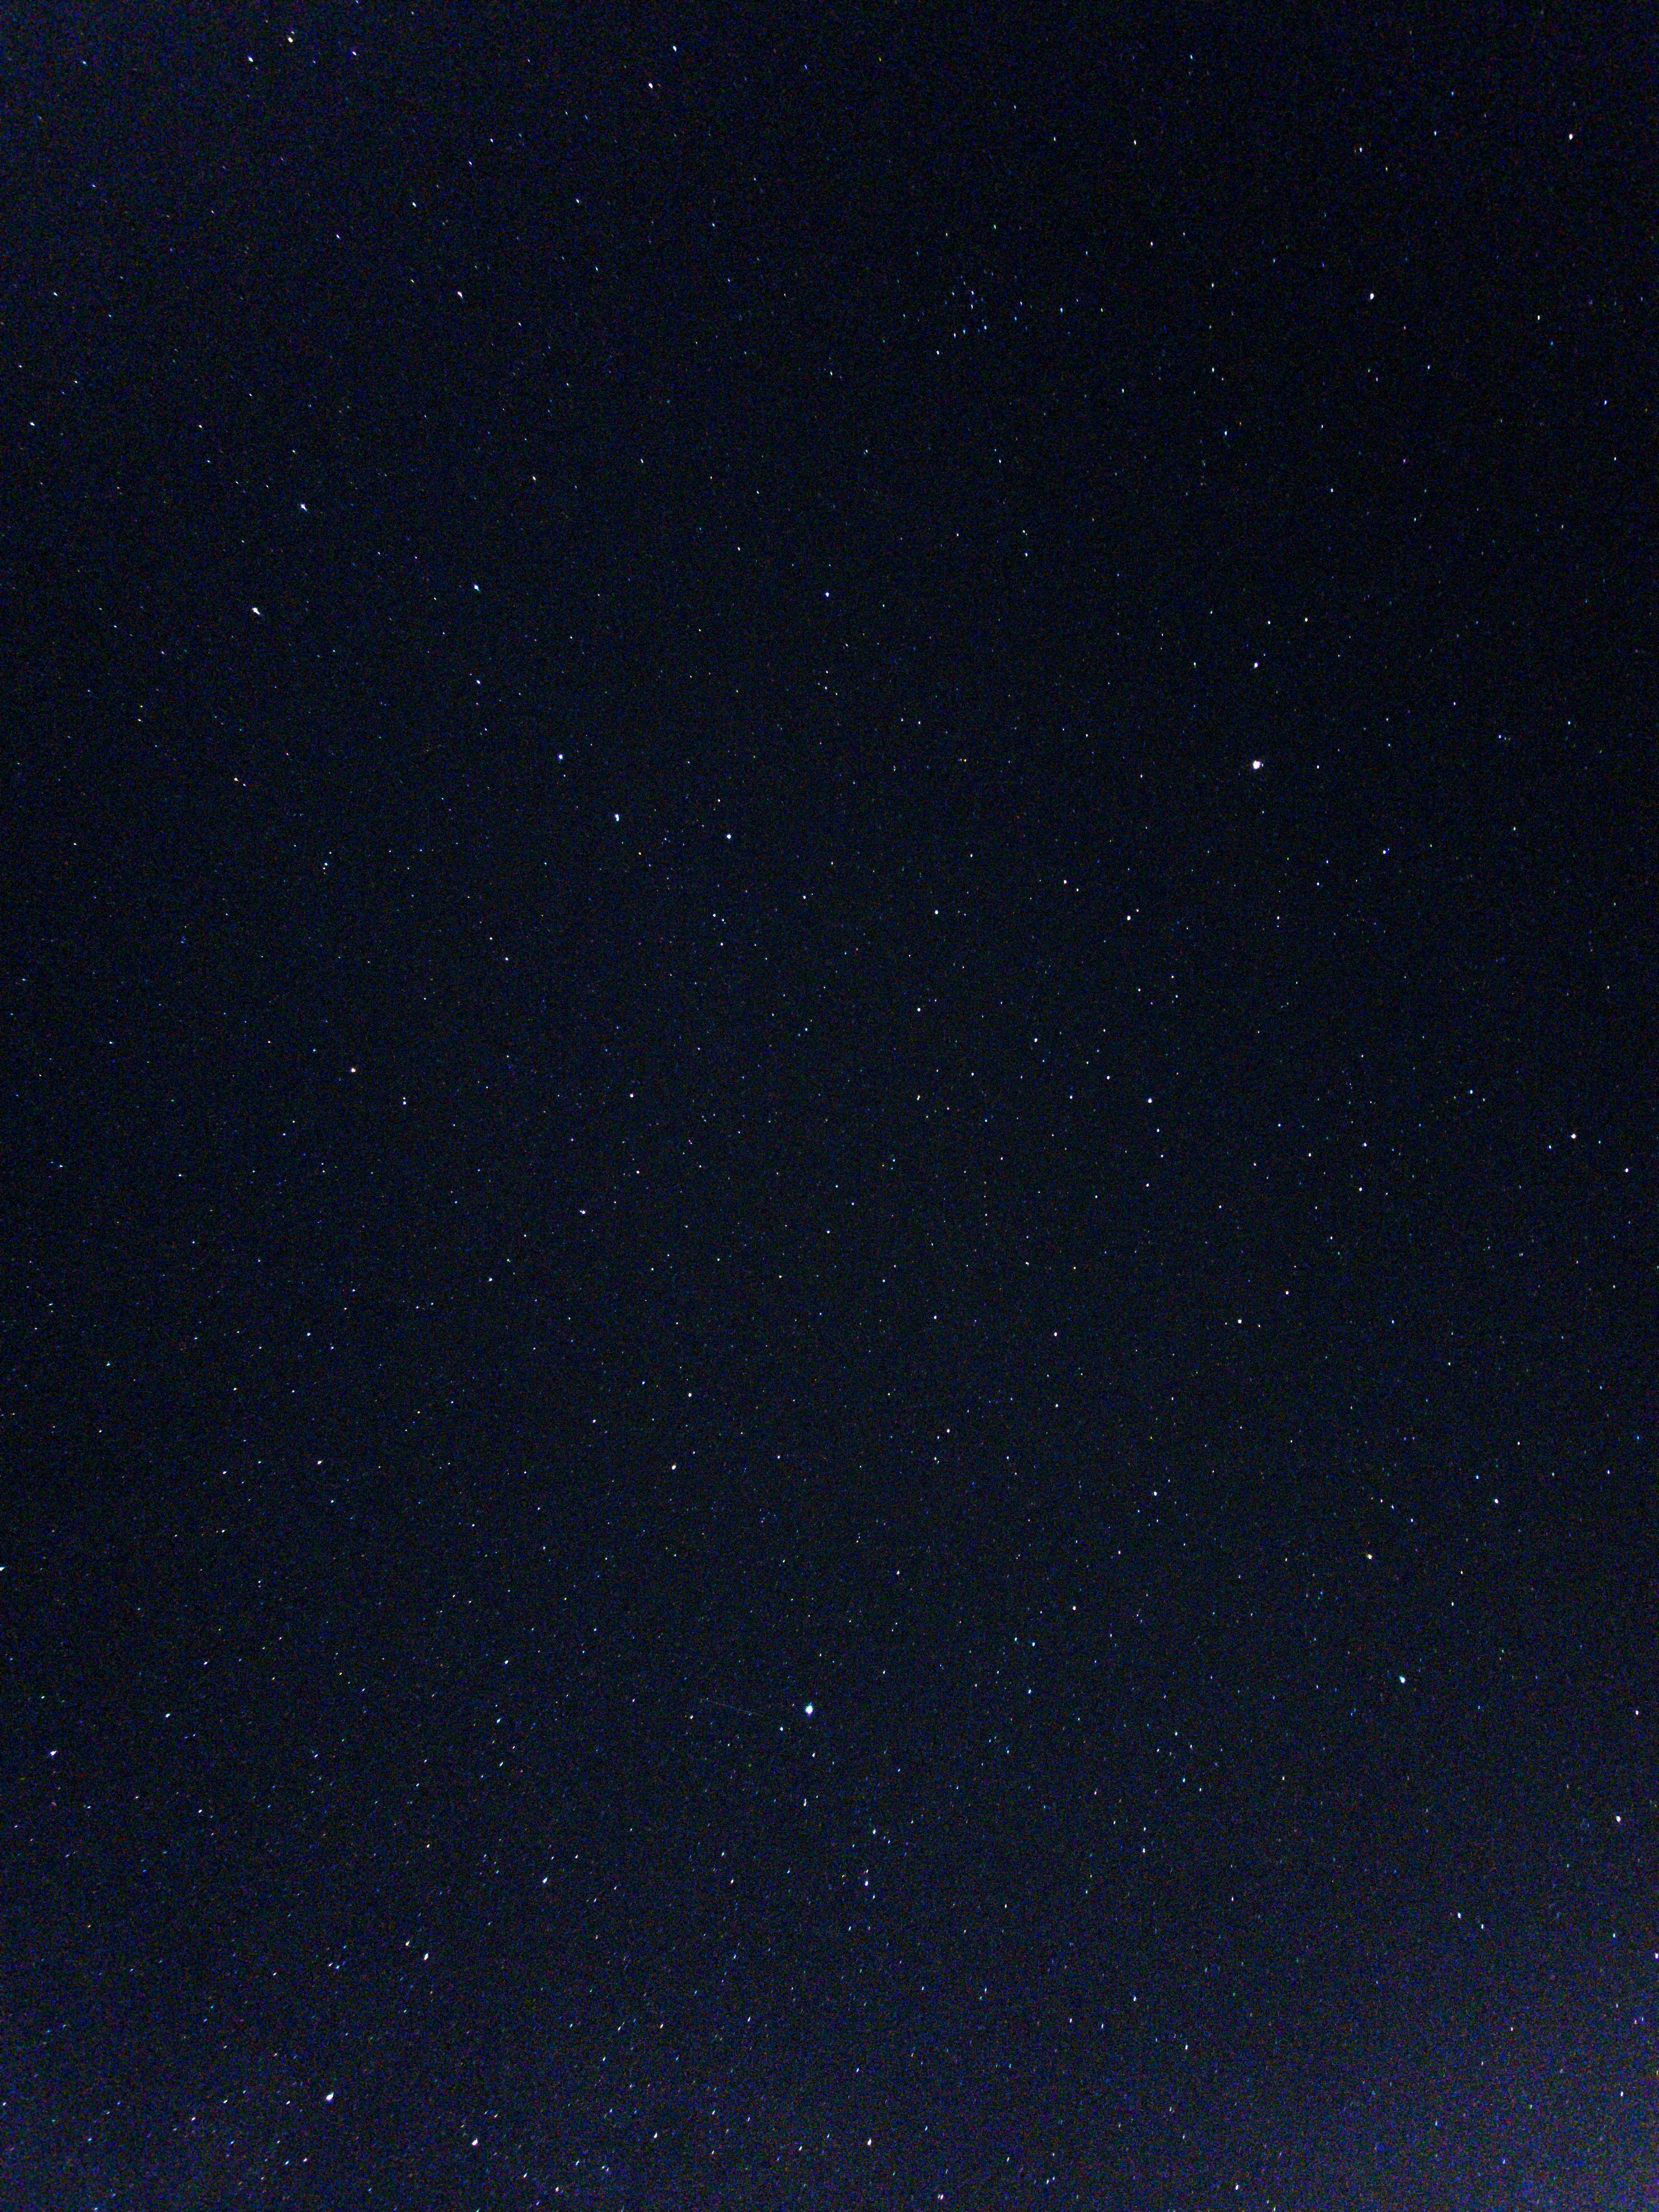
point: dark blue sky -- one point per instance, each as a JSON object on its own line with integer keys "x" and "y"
{"x": 830, "y": 854}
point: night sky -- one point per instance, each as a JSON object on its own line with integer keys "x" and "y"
{"x": 828, "y": 1004}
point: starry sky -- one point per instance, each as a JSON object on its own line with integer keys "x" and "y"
{"x": 828, "y": 1011}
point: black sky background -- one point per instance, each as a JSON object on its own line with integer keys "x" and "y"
{"x": 829, "y": 875}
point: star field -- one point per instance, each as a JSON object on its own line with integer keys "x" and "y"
{"x": 830, "y": 1312}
